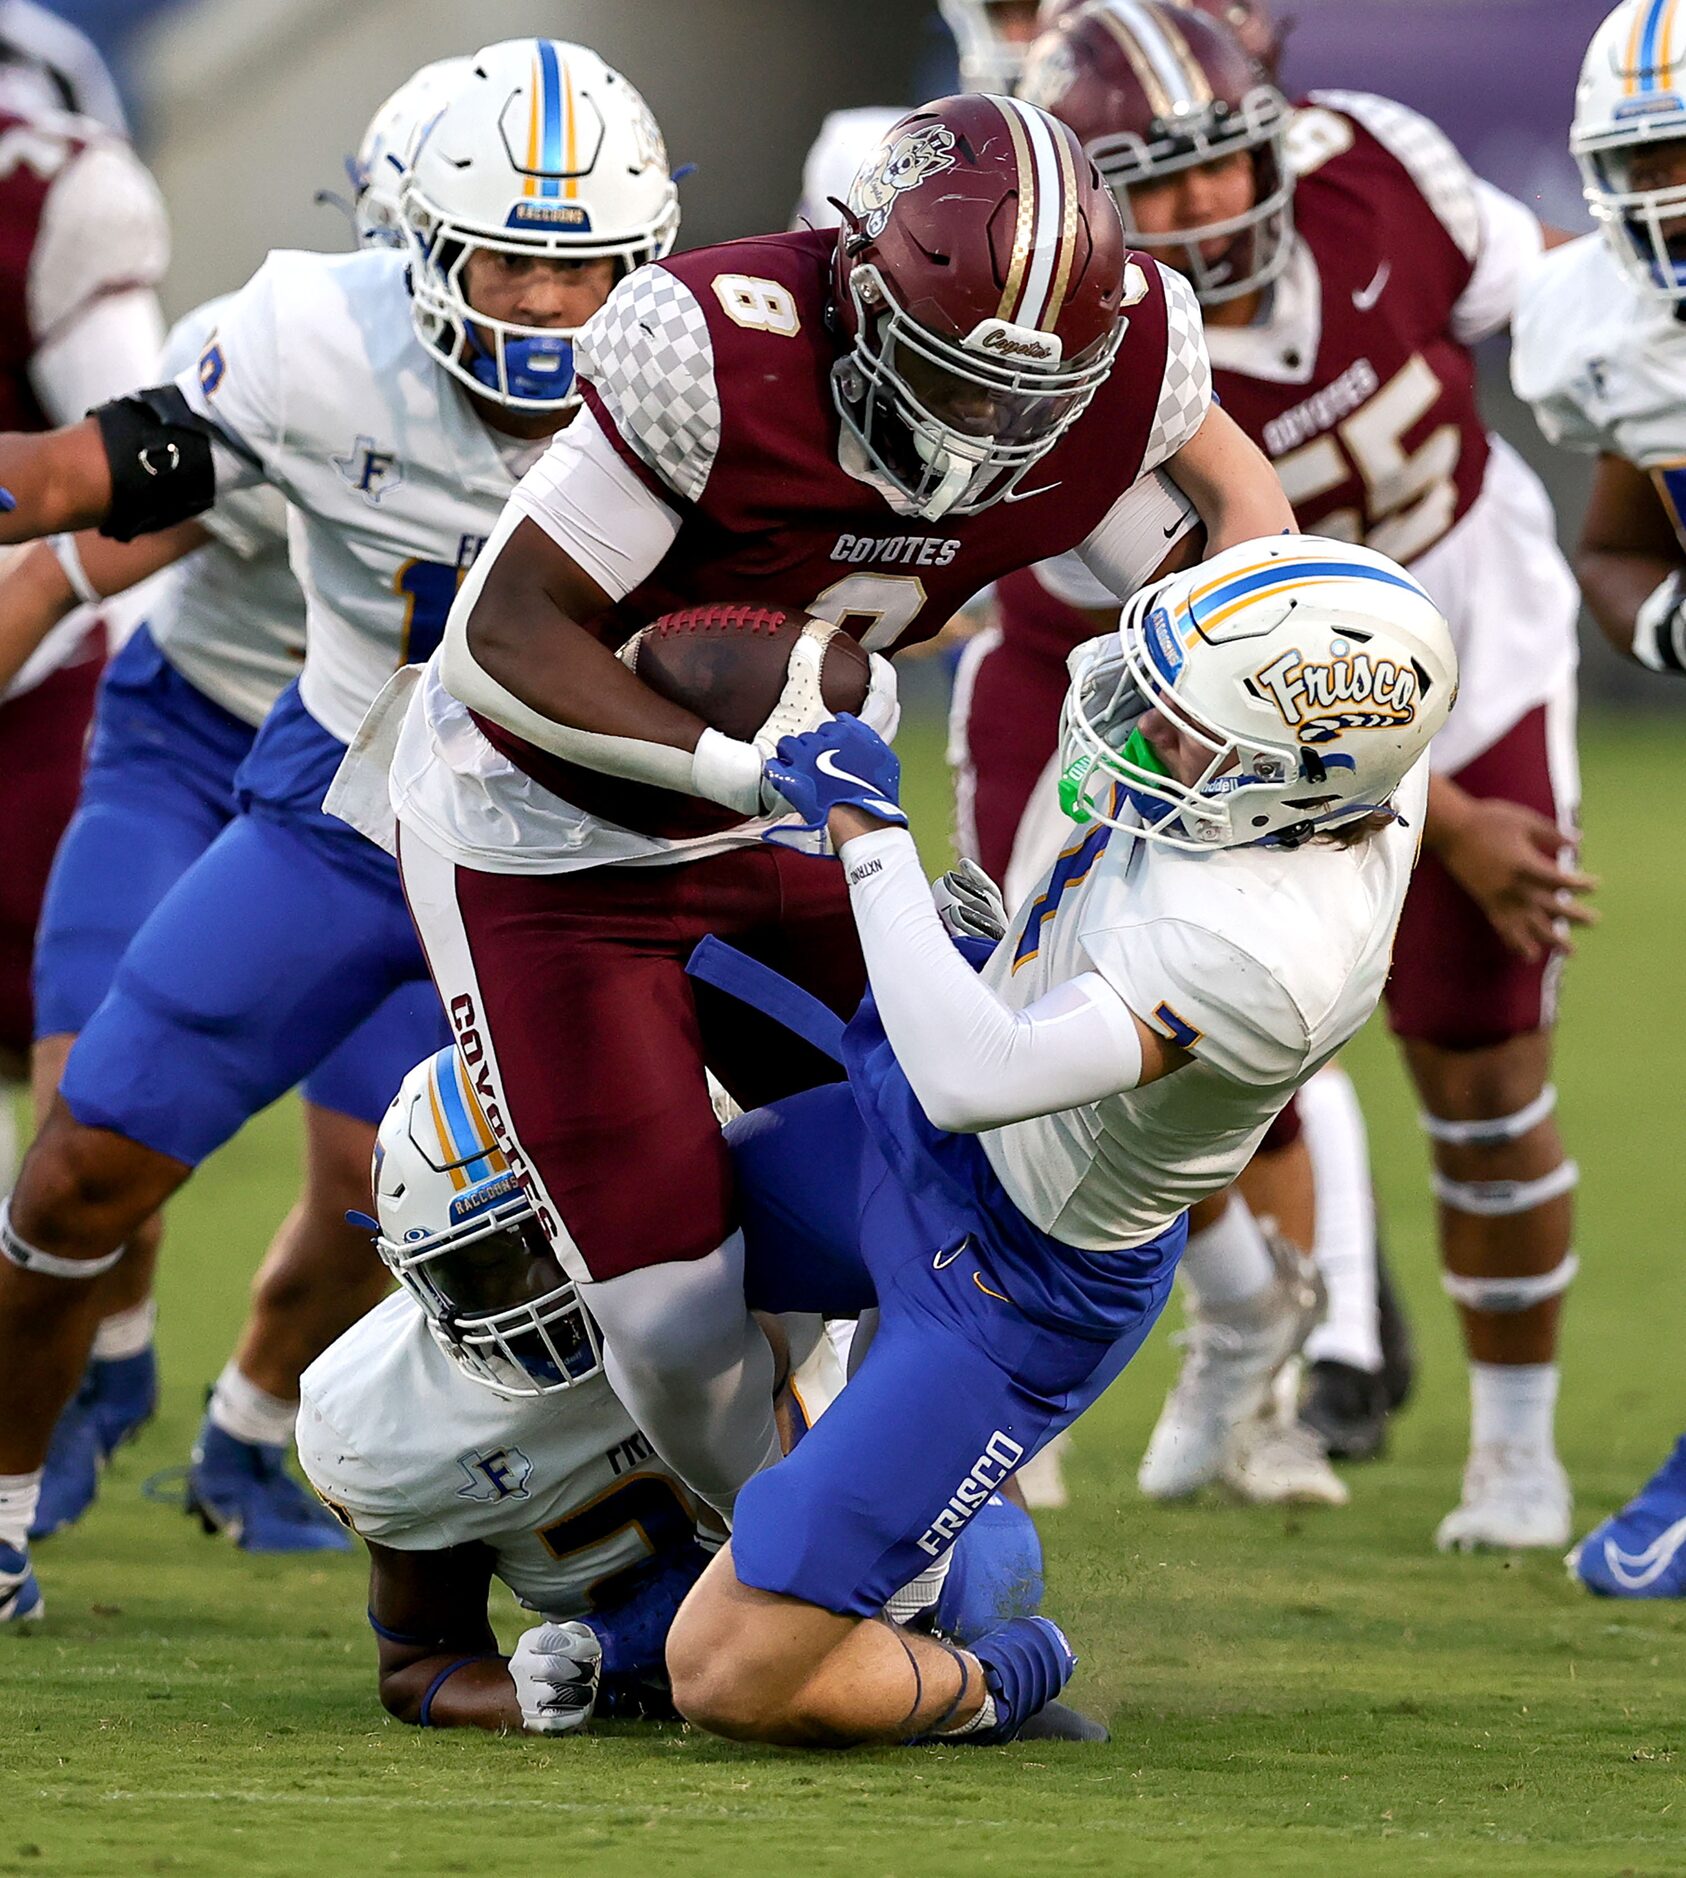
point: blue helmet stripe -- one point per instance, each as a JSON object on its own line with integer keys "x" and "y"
{"x": 551, "y": 158}
{"x": 1648, "y": 45}
{"x": 465, "y": 1137}
{"x": 1290, "y": 573}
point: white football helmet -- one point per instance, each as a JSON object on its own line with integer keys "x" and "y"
{"x": 1632, "y": 95}
{"x": 1315, "y": 673}
{"x": 989, "y": 59}
{"x": 541, "y": 150}
{"x": 459, "y": 1233}
{"x": 382, "y": 161}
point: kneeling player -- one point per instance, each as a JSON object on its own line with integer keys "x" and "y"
{"x": 477, "y": 1438}
{"x": 1006, "y": 1171}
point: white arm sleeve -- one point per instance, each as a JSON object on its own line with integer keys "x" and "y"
{"x": 973, "y": 1062}
{"x": 110, "y": 348}
{"x": 1126, "y": 549}
{"x": 597, "y": 509}
{"x": 1511, "y": 243}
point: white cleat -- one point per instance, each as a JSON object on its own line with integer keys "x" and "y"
{"x": 1281, "y": 1463}
{"x": 20, "y": 1592}
{"x": 1514, "y": 1498}
{"x": 1230, "y": 1360}
{"x": 1042, "y": 1478}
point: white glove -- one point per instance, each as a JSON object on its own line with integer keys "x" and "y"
{"x": 882, "y": 710}
{"x": 1659, "y": 629}
{"x": 969, "y": 903}
{"x": 556, "y": 1669}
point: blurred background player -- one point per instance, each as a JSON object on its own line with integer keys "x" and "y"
{"x": 1600, "y": 353}
{"x": 394, "y": 399}
{"x": 1340, "y": 337}
{"x": 466, "y": 1432}
{"x": 85, "y": 242}
{"x": 224, "y": 635}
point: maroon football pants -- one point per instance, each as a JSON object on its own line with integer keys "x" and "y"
{"x": 568, "y": 997}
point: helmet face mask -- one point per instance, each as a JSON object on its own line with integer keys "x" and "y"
{"x": 1299, "y": 678}
{"x": 463, "y": 1238}
{"x": 1629, "y": 138}
{"x": 542, "y": 152}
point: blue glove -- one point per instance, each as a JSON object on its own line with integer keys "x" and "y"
{"x": 842, "y": 763}
{"x": 8, "y": 501}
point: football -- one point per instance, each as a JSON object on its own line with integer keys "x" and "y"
{"x": 728, "y": 663}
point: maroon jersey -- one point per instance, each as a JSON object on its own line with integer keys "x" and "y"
{"x": 711, "y": 374}
{"x": 1358, "y": 386}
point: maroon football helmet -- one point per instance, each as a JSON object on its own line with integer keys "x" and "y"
{"x": 1249, "y": 20}
{"x": 1154, "y": 89}
{"x": 979, "y": 281}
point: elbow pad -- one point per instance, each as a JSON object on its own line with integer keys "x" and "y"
{"x": 159, "y": 450}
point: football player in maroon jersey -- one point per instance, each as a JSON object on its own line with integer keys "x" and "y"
{"x": 1346, "y": 260}
{"x": 867, "y": 427}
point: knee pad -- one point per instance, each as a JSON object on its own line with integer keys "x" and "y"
{"x": 1494, "y": 1199}
{"x": 1492, "y": 1131}
{"x": 29, "y": 1258}
{"x": 1506, "y": 1296}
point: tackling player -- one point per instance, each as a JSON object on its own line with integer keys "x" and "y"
{"x": 865, "y": 428}
{"x": 1006, "y": 1172}
{"x": 178, "y": 710}
{"x": 1346, "y": 261}
{"x": 1600, "y": 353}
{"x": 394, "y": 400}
{"x": 466, "y": 1432}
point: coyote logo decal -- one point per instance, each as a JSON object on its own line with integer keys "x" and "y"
{"x": 895, "y": 167}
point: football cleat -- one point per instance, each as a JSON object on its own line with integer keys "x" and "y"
{"x": 242, "y": 1489}
{"x": 1640, "y": 1552}
{"x": 1346, "y": 1408}
{"x": 20, "y": 1591}
{"x": 1276, "y": 1462}
{"x": 118, "y": 1397}
{"x": 1514, "y": 1499}
{"x": 1056, "y": 1721}
{"x": 1231, "y": 1357}
{"x": 1026, "y": 1663}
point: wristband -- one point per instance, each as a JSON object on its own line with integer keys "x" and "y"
{"x": 727, "y": 771}
{"x": 69, "y": 558}
{"x": 1659, "y": 630}
{"x": 424, "y": 1716}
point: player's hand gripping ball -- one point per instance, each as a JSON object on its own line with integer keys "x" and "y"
{"x": 844, "y": 763}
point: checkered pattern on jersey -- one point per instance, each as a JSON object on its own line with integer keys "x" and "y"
{"x": 1445, "y": 179}
{"x": 649, "y": 356}
{"x": 1186, "y": 389}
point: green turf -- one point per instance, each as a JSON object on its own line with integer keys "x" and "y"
{"x": 1284, "y": 1691}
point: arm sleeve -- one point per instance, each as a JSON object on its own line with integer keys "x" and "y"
{"x": 973, "y": 1062}
{"x": 596, "y": 508}
{"x": 1512, "y": 242}
{"x": 1205, "y": 994}
{"x": 1185, "y": 390}
{"x": 648, "y": 358}
{"x": 236, "y": 381}
{"x": 1126, "y": 549}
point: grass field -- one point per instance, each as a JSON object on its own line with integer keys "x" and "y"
{"x": 1285, "y": 1692}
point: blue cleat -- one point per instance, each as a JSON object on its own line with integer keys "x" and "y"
{"x": 242, "y": 1489}
{"x": 1640, "y": 1552}
{"x": 118, "y": 1397}
{"x": 20, "y": 1591}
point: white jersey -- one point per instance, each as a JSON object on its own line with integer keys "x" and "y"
{"x": 1260, "y": 962}
{"x": 1603, "y": 367}
{"x": 230, "y": 618}
{"x": 846, "y": 139}
{"x": 315, "y": 372}
{"x": 563, "y": 1488}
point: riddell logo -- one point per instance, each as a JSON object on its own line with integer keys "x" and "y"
{"x": 1000, "y": 1456}
{"x": 465, "y": 1022}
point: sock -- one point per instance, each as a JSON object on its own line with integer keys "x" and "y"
{"x": 1228, "y": 1262}
{"x": 1345, "y": 1247}
{"x": 240, "y": 1408}
{"x": 986, "y": 1718}
{"x": 125, "y": 1333}
{"x": 1513, "y": 1405}
{"x": 19, "y": 1494}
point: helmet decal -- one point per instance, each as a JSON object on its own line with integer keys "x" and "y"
{"x": 896, "y": 167}
{"x": 1317, "y": 700}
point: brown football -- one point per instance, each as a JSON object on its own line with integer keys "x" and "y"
{"x": 727, "y": 664}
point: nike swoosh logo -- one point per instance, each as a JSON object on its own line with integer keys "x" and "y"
{"x": 949, "y": 1254}
{"x": 827, "y": 765}
{"x": 1366, "y": 297}
{"x": 1634, "y": 1571}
